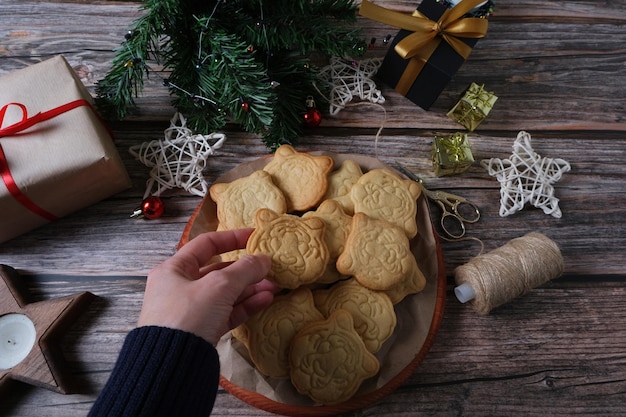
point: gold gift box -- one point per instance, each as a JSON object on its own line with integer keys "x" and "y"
{"x": 473, "y": 106}
{"x": 451, "y": 154}
{"x": 51, "y": 166}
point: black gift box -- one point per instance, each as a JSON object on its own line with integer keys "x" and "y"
{"x": 438, "y": 70}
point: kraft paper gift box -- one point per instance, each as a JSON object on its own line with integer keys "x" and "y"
{"x": 56, "y": 155}
{"x": 429, "y": 49}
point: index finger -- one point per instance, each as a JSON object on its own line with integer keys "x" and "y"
{"x": 205, "y": 246}
{"x": 231, "y": 282}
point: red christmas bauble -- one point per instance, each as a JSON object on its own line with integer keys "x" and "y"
{"x": 313, "y": 117}
{"x": 152, "y": 207}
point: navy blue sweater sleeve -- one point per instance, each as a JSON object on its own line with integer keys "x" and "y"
{"x": 161, "y": 372}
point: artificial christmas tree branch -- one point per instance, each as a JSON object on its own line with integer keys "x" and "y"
{"x": 248, "y": 62}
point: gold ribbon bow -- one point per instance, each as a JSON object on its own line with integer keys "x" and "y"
{"x": 479, "y": 97}
{"x": 428, "y": 34}
{"x": 473, "y": 107}
{"x": 468, "y": 116}
{"x": 454, "y": 146}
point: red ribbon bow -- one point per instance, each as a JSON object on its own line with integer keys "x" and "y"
{"x": 18, "y": 127}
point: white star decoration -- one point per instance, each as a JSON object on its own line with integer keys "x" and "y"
{"x": 527, "y": 178}
{"x": 349, "y": 79}
{"x": 179, "y": 159}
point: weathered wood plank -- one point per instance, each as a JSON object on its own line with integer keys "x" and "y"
{"x": 558, "y": 69}
{"x": 559, "y": 347}
{"x": 591, "y": 198}
{"x": 546, "y": 90}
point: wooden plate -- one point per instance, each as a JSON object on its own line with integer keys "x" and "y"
{"x": 419, "y": 317}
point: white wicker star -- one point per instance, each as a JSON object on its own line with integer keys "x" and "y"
{"x": 527, "y": 178}
{"x": 350, "y": 79}
{"x": 179, "y": 159}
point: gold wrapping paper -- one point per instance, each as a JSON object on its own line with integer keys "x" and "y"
{"x": 451, "y": 154}
{"x": 62, "y": 164}
{"x": 473, "y": 106}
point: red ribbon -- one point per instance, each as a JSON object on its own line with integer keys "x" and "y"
{"x": 18, "y": 127}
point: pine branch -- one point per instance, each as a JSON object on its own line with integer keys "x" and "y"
{"x": 240, "y": 61}
{"x": 117, "y": 91}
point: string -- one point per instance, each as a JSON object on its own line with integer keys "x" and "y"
{"x": 206, "y": 26}
{"x": 464, "y": 239}
{"x": 267, "y": 43}
{"x": 510, "y": 271}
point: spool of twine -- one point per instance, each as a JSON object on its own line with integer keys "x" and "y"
{"x": 510, "y": 271}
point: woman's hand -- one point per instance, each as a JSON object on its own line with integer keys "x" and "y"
{"x": 208, "y": 300}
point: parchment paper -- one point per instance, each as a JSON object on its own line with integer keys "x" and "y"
{"x": 414, "y": 314}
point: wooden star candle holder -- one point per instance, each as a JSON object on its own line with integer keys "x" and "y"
{"x": 30, "y": 332}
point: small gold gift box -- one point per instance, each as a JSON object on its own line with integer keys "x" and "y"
{"x": 451, "y": 154}
{"x": 473, "y": 106}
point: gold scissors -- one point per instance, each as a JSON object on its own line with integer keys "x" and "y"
{"x": 455, "y": 210}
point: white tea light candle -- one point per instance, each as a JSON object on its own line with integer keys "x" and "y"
{"x": 17, "y": 338}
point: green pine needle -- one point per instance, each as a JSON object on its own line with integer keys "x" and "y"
{"x": 246, "y": 62}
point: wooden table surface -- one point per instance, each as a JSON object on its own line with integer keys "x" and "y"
{"x": 559, "y": 71}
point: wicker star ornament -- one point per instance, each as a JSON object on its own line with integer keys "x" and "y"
{"x": 179, "y": 159}
{"x": 351, "y": 79}
{"x": 526, "y": 177}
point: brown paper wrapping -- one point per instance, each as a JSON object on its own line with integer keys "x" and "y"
{"x": 62, "y": 164}
{"x": 418, "y": 318}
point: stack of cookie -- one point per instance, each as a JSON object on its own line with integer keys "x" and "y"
{"x": 339, "y": 240}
